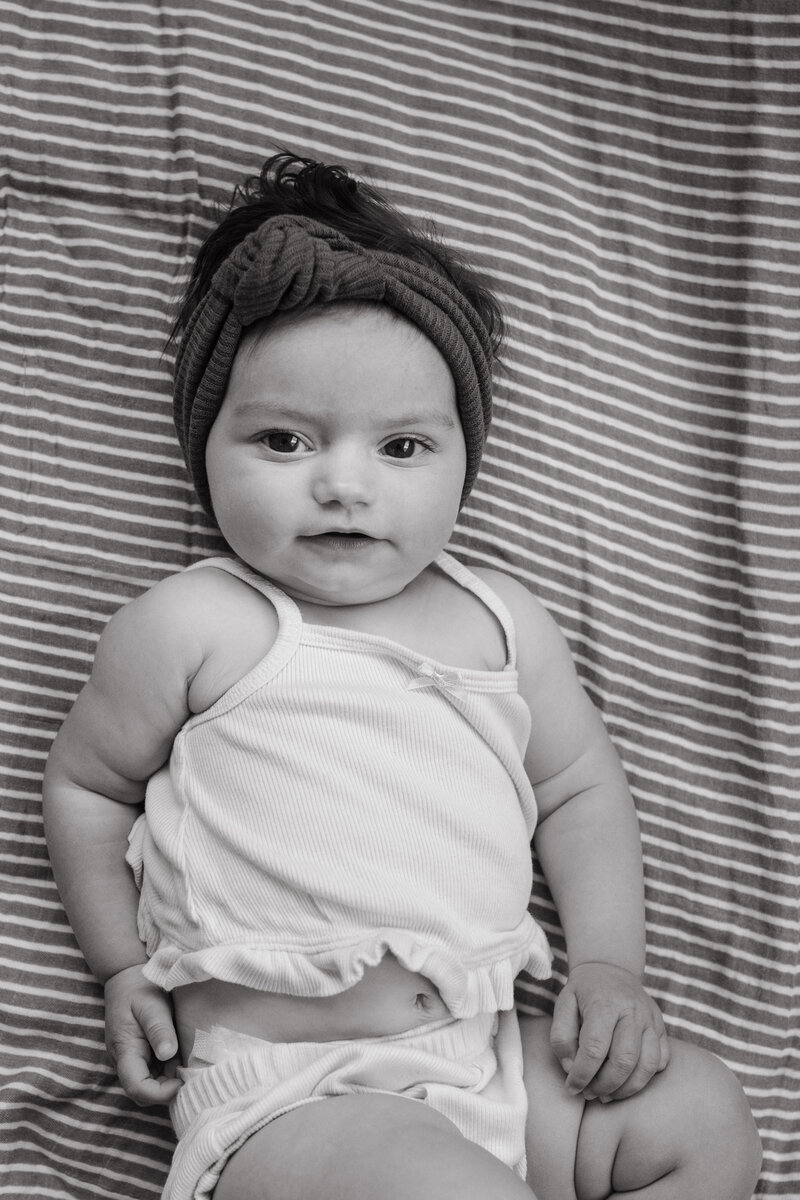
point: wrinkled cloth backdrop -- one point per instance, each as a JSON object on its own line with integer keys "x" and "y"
{"x": 629, "y": 174}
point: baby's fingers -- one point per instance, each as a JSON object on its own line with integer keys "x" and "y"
{"x": 594, "y": 1044}
{"x": 623, "y": 1059}
{"x": 565, "y": 1028}
{"x": 139, "y": 1028}
{"x": 133, "y": 1069}
{"x": 154, "y": 1015}
{"x": 654, "y": 1057}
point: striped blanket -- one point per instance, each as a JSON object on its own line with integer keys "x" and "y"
{"x": 628, "y": 173}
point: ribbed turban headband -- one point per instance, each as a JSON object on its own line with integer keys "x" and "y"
{"x": 289, "y": 264}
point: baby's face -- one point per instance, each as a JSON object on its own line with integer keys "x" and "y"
{"x": 337, "y": 460}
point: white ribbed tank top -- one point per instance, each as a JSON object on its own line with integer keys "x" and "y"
{"x": 346, "y": 798}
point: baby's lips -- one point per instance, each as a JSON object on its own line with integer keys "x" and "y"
{"x": 341, "y": 533}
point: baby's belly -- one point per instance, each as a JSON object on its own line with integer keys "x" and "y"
{"x": 388, "y": 999}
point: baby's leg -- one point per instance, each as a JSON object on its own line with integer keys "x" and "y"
{"x": 688, "y": 1135}
{"x": 365, "y": 1147}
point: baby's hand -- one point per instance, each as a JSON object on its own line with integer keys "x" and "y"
{"x": 607, "y": 1033}
{"x": 139, "y": 1026}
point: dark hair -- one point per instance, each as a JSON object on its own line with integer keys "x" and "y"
{"x": 329, "y": 194}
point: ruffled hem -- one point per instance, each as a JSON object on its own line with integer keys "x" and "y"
{"x": 486, "y": 985}
{"x": 466, "y": 989}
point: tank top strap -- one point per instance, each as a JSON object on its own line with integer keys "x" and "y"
{"x": 284, "y": 606}
{"x": 462, "y": 575}
{"x": 289, "y": 614}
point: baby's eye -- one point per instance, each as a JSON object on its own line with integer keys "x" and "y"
{"x": 283, "y": 441}
{"x": 405, "y": 447}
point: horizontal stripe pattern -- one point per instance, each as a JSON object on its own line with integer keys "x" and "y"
{"x": 628, "y": 173}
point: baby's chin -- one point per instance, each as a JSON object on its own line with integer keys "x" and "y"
{"x": 344, "y": 593}
{"x": 341, "y": 597}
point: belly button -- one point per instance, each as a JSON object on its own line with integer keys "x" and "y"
{"x": 430, "y": 1004}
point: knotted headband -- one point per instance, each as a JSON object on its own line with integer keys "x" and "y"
{"x": 291, "y": 263}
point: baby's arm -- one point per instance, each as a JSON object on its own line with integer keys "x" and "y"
{"x": 607, "y": 1032}
{"x": 118, "y": 733}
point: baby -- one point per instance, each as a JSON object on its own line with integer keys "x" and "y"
{"x": 344, "y": 741}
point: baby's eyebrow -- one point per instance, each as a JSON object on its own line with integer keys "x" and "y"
{"x": 437, "y": 417}
{"x": 263, "y": 408}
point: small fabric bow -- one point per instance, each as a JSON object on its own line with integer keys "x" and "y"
{"x": 428, "y": 676}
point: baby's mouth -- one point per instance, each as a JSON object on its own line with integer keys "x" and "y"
{"x": 342, "y": 538}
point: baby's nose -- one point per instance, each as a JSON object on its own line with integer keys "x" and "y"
{"x": 343, "y": 478}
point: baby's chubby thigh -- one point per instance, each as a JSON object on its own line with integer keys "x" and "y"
{"x": 688, "y": 1132}
{"x": 373, "y": 1147}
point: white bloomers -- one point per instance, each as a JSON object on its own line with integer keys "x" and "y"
{"x": 469, "y": 1070}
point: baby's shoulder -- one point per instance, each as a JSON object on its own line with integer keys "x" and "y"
{"x": 190, "y": 602}
{"x": 204, "y": 624}
{"x": 542, "y": 648}
{"x": 529, "y": 615}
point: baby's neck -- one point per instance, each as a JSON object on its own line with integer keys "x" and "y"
{"x": 396, "y": 611}
{"x": 432, "y": 616}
